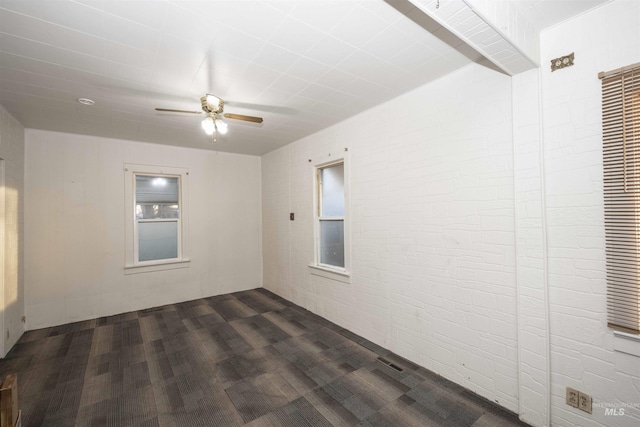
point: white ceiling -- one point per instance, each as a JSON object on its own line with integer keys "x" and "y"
{"x": 546, "y": 13}
{"x": 302, "y": 65}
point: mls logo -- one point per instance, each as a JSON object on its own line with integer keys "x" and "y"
{"x": 614, "y": 411}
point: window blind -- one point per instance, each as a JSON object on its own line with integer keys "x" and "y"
{"x": 621, "y": 163}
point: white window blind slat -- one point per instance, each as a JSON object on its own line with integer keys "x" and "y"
{"x": 621, "y": 165}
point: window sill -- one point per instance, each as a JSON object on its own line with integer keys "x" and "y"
{"x": 329, "y": 273}
{"x": 172, "y": 265}
{"x": 626, "y": 343}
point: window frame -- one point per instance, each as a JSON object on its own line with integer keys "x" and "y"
{"x": 328, "y": 270}
{"x": 132, "y": 264}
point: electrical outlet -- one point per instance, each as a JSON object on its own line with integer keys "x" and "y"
{"x": 572, "y": 397}
{"x": 584, "y": 402}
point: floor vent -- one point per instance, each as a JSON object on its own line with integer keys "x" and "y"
{"x": 151, "y": 310}
{"x": 390, "y": 364}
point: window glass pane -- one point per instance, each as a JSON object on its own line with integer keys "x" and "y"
{"x": 156, "y": 197}
{"x": 157, "y": 240}
{"x": 332, "y": 243}
{"x": 155, "y": 210}
{"x": 333, "y": 190}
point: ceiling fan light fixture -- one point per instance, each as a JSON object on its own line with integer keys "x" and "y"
{"x": 213, "y": 108}
{"x": 213, "y": 102}
{"x": 221, "y": 126}
{"x": 208, "y": 125}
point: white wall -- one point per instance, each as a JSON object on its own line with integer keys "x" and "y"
{"x": 582, "y": 354}
{"x": 433, "y": 252}
{"x": 531, "y": 251}
{"x": 12, "y": 233}
{"x": 74, "y": 220}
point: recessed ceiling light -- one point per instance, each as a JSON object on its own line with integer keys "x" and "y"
{"x": 86, "y": 101}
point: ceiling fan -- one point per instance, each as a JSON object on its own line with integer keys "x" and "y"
{"x": 213, "y": 107}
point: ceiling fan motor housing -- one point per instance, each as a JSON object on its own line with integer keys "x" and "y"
{"x": 208, "y": 108}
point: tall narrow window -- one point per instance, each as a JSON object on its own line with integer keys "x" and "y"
{"x": 621, "y": 163}
{"x": 157, "y": 217}
{"x": 331, "y": 214}
{"x": 156, "y": 208}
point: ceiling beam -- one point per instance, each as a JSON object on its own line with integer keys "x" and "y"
{"x": 495, "y": 29}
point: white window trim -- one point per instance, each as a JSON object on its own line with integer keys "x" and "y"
{"x": 626, "y": 342}
{"x": 317, "y": 268}
{"x": 132, "y": 266}
{"x": 330, "y": 273}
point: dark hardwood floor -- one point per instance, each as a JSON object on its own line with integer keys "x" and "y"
{"x": 244, "y": 358}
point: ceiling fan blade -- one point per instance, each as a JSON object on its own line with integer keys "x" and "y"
{"x": 166, "y": 110}
{"x": 260, "y": 107}
{"x": 243, "y": 117}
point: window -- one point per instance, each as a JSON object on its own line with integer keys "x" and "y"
{"x": 157, "y": 217}
{"x": 621, "y": 164}
{"x": 156, "y": 201}
{"x": 330, "y": 226}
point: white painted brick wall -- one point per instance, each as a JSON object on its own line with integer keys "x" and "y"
{"x": 75, "y": 233}
{"x": 533, "y": 348}
{"x": 12, "y": 152}
{"x": 581, "y": 344}
{"x": 433, "y": 265}
{"x": 275, "y": 207}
